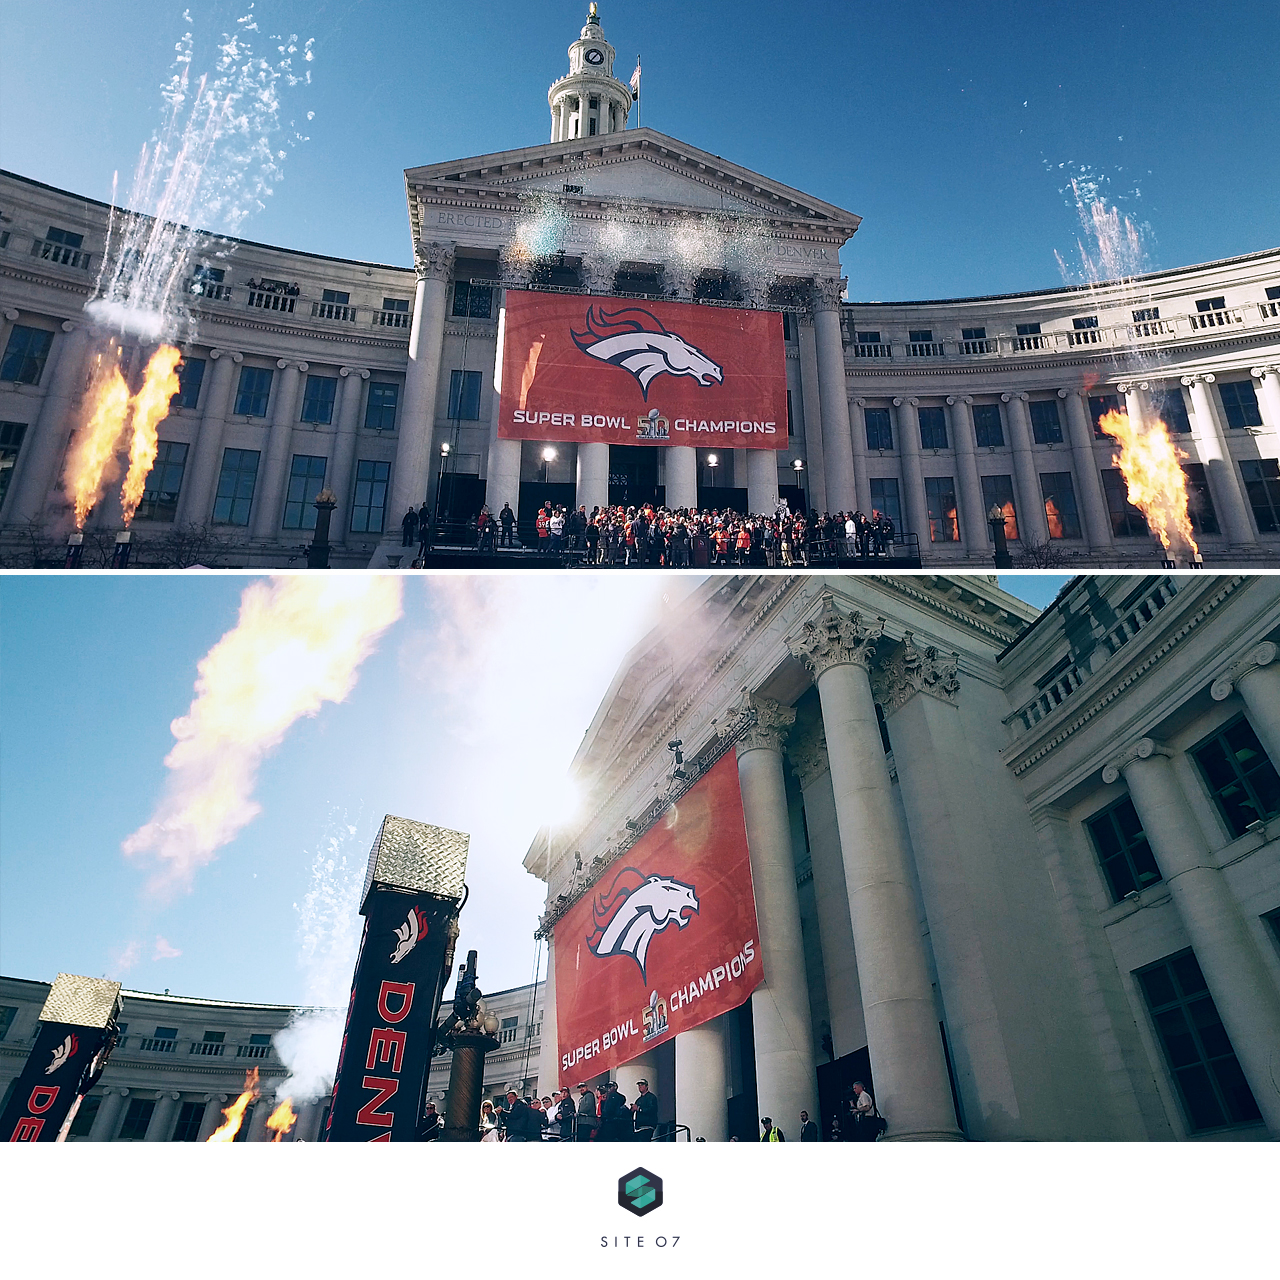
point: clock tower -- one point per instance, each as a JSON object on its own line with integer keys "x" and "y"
{"x": 590, "y": 100}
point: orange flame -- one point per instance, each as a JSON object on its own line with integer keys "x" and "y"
{"x": 93, "y": 452}
{"x": 150, "y": 406}
{"x": 281, "y": 1120}
{"x": 1151, "y": 465}
{"x": 227, "y": 1131}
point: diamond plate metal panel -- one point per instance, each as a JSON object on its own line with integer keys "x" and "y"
{"x": 417, "y": 857}
{"x": 82, "y": 1002}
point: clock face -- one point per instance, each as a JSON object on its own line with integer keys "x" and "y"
{"x": 594, "y": 56}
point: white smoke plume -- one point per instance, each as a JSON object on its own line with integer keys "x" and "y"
{"x": 329, "y": 929}
{"x": 298, "y": 644}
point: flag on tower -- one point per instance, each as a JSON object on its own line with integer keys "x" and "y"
{"x": 635, "y": 81}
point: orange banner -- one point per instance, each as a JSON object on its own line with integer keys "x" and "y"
{"x": 665, "y": 940}
{"x": 632, "y": 371}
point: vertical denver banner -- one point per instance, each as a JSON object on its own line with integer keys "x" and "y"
{"x": 666, "y": 939}
{"x": 635, "y": 371}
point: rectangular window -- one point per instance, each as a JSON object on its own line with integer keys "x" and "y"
{"x": 1085, "y": 322}
{"x": 879, "y": 429}
{"x": 1204, "y": 519}
{"x": 190, "y": 1116}
{"x": 190, "y": 376}
{"x": 395, "y": 304}
{"x": 997, "y": 491}
{"x": 236, "y": 482}
{"x": 940, "y": 495}
{"x": 988, "y": 430}
{"x": 1144, "y": 314}
{"x": 70, "y": 238}
{"x": 1273, "y": 293}
{"x": 86, "y": 1114}
{"x": 788, "y": 327}
{"x": 25, "y": 354}
{"x": 508, "y": 1031}
{"x": 869, "y": 337}
{"x": 254, "y": 392}
{"x": 1046, "y": 426}
{"x": 1212, "y": 304}
{"x": 1060, "y": 504}
{"x": 1027, "y": 330}
{"x": 318, "y": 398}
{"x": 1126, "y": 520}
{"x": 1240, "y": 775}
{"x": 791, "y": 426}
{"x": 1168, "y": 405}
{"x": 920, "y": 335}
{"x": 884, "y": 499}
{"x": 933, "y": 428}
{"x": 1099, "y": 407}
{"x": 464, "y": 395}
{"x": 7, "y": 1015}
{"x": 163, "y": 483}
{"x": 1273, "y": 920}
{"x": 137, "y": 1119}
{"x": 1262, "y": 484}
{"x": 472, "y": 299}
{"x": 973, "y": 335}
{"x": 1196, "y": 1047}
{"x": 11, "y": 435}
{"x": 1240, "y": 403}
{"x": 368, "y": 506}
{"x": 335, "y": 295}
{"x": 1123, "y": 850}
{"x": 380, "y": 412}
{"x": 306, "y": 479}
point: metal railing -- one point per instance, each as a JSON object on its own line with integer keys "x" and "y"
{"x": 62, "y": 254}
{"x": 332, "y": 311}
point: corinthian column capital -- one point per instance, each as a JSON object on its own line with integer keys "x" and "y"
{"x": 827, "y": 294}
{"x": 834, "y": 640}
{"x": 432, "y": 260}
{"x": 910, "y": 671}
{"x": 760, "y": 722}
{"x": 809, "y": 757}
{"x": 1143, "y": 749}
{"x": 1261, "y": 655}
{"x": 598, "y": 274}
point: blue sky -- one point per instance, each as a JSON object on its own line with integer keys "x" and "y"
{"x": 466, "y": 716}
{"x": 951, "y": 128}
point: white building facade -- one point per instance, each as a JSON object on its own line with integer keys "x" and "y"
{"x": 1019, "y": 874}
{"x": 379, "y": 383}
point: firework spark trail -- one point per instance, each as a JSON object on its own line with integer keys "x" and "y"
{"x": 150, "y": 405}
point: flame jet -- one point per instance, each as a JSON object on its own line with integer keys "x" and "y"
{"x": 1151, "y": 465}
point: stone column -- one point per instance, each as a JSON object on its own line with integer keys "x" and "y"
{"x": 1229, "y": 497}
{"x": 263, "y": 1106}
{"x": 858, "y": 431}
{"x": 907, "y": 1061}
{"x": 503, "y": 469}
{"x": 195, "y": 506}
{"x": 213, "y": 1117}
{"x": 837, "y": 444}
{"x": 342, "y": 481}
{"x": 762, "y": 480}
{"x": 831, "y": 896}
{"x": 1133, "y": 406}
{"x": 786, "y": 1079}
{"x": 1242, "y": 988}
{"x": 1256, "y": 677}
{"x": 107, "y": 1121}
{"x": 593, "y": 475}
{"x": 1097, "y": 521}
{"x": 1033, "y": 524}
{"x": 645, "y": 1067}
{"x": 908, "y": 429}
{"x": 702, "y": 1077}
{"x": 681, "y": 476}
{"x": 164, "y": 1117}
{"x": 411, "y": 473}
{"x": 1269, "y": 376}
{"x": 809, "y": 395}
{"x": 549, "y": 1046}
{"x": 46, "y": 442}
{"x": 269, "y": 498}
{"x": 973, "y": 512}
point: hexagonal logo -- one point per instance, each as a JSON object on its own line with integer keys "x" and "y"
{"x": 640, "y": 1192}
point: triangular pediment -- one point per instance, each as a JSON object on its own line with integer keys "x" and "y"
{"x": 638, "y": 166}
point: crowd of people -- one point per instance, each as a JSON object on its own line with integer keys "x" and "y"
{"x": 688, "y": 538}
{"x": 603, "y": 1114}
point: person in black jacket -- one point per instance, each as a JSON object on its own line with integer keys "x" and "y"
{"x": 566, "y": 1115}
{"x": 645, "y": 1112}
{"x": 522, "y": 1125}
{"x": 507, "y": 519}
{"x": 409, "y": 527}
{"x": 613, "y": 1115}
{"x": 430, "y": 1123}
{"x": 808, "y": 1129}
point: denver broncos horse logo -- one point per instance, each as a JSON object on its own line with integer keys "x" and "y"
{"x": 635, "y": 908}
{"x": 638, "y": 342}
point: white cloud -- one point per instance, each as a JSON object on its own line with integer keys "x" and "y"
{"x": 165, "y": 950}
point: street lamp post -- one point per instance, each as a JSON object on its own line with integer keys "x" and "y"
{"x": 995, "y": 520}
{"x": 318, "y": 551}
{"x": 548, "y": 457}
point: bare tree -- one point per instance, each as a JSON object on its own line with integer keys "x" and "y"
{"x": 182, "y": 547}
{"x": 1040, "y": 555}
{"x": 34, "y": 547}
